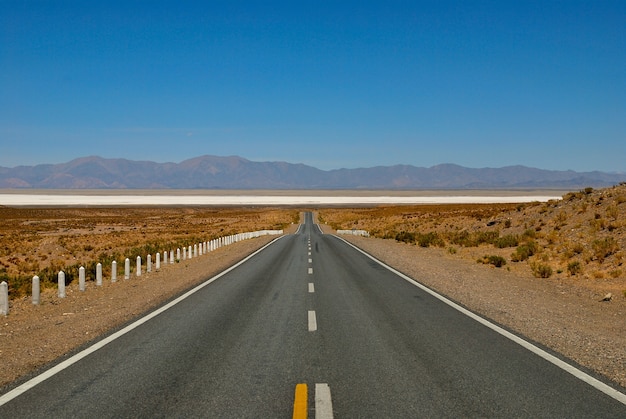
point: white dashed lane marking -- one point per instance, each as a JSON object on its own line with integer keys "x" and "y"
{"x": 312, "y": 321}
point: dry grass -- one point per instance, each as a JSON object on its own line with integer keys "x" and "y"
{"x": 582, "y": 235}
{"x": 43, "y": 241}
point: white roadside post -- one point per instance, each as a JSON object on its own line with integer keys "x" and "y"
{"x": 149, "y": 263}
{"x": 171, "y": 257}
{"x": 114, "y": 271}
{"x": 81, "y": 279}
{"x": 36, "y": 291}
{"x": 138, "y": 273}
{"x": 165, "y": 257}
{"x": 184, "y": 253}
{"x": 99, "y": 274}
{"x": 195, "y": 250}
{"x": 178, "y": 254}
{"x": 4, "y": 298}
{"x": 61, "y": 282}
{"x": 189, "y": 253}
{"x": 127, "y": 269}
{"x": 158, "y": 261}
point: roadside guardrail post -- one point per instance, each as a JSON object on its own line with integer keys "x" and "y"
{"x": 4, "y": 298}
{"x": 81, "y": 279}
{"x": 114, "y": 271}
{"x": 36, "y": 290}
{"x": 138, "y": 273}
{"x": 99, "y": 274}
{"x": 61, "y": 282}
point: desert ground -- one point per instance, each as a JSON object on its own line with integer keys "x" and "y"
{"x": 543, "y": 269}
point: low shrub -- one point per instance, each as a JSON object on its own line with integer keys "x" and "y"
{"x": 541, "y": 271}
{"x": 510, "y": 240}
{"x": 574, "y": 268}
{"x": 474, "y": 239}
{"x": 603, "y": 248}
{"x": 497, "y": 261}
{"x": 406, "y": 237}
{"x": 429, "y": 239}
{"x": 524, "y": 251}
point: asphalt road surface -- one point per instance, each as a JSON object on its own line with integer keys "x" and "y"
{"x": 310, "y": 325}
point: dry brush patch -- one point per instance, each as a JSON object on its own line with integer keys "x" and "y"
{"x": 31, "y": 336}
{"x": 581, "y": 236}
{"x": 43, "y": 241}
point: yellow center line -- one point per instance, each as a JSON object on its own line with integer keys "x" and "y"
{"x": 300, "y": 403}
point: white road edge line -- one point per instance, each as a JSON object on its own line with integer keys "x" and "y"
{"x": 312, "y": 321}
{"x": 311, "y": 287}
{"x": 323, "y": 402}
{"x": 5, "y": 398}
{"x": 581, "y": 375}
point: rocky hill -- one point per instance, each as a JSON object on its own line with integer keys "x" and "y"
{"x": 581, "y": 236}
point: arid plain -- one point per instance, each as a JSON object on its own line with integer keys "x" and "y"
{"x": 544, "y": 268}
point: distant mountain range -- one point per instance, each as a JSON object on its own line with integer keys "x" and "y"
{"x": 212, "y": 172}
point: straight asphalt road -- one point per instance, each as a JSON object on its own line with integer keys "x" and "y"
{"x": 312, "y": 313}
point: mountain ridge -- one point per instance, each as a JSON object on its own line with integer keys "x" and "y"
{"x": 235, "y": 172}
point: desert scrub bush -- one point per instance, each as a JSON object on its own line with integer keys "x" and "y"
{"x": 510, "y": 240}
{"x": 541, "y": 270}
{"x": 552, "y": 237}
{"x": 466, "y": 239}
{"x": 578, "y": 248}
{"x": 524, "y": 251}
{"x": 429, "y": 239}
{"x": 19, "y": 285}
{"x": 603, "y": 248}
{"x": 571, "y": 196}
{"x": 561, "y": 218}
{"x": 574, "y": 268}
{"x": 405, "y": 236}
{"x": 497, "y": 261}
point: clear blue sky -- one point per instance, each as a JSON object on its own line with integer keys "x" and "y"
{"x": 330, "y": 84}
